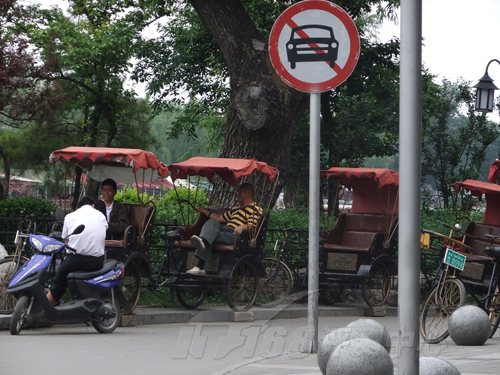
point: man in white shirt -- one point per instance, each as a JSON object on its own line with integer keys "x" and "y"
{"x": 89, "y": 245}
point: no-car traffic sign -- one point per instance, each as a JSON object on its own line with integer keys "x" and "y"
{"x": 314, "y": 45}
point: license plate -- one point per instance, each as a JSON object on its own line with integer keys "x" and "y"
{"x": 454, "y": 259}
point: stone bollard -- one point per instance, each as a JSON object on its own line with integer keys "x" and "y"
{"x": 372, "y": 329}
{"x": 469, "y": 325}
{"x": 360, "y": 356}
{"x": 330, "y": 343}
{"x": 3, "y": 252}
{"x": 436, "y": 366}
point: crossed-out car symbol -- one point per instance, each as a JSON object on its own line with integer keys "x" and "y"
{"x": 320, "y": 46}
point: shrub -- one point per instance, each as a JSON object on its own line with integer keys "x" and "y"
{"x": 39, "y": 208}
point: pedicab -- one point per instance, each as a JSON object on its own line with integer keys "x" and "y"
{"x": 360, "y": 250}
{"x": 469, "y": 267}
{"x": 236, "y": 268}
{"x": 134, "y": 167}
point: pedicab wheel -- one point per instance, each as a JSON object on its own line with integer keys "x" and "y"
{"x": 108, "y": 325}
{"x": 242, "y": 288}
{"x": 276, "y": 286}
{"x": 131, "y": 284}
{"x": 375, "y": 288}
{"x": 190, "y": 297}
{"x": 7, "y": 269}
{"x": 392, "y": 298}
{"x": 494, "y": 314}
{"x": 436, "y": 312}
{"x": 19, "y": 315}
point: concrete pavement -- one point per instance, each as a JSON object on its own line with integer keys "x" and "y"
{"x": 474, "y": 360}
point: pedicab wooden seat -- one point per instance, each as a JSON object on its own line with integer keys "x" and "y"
{"x": 195, "y": 229}
{"x": 358, "y": 232}
{"x": 137, "y": 236}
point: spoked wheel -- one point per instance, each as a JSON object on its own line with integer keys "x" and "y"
{"x": 437, "y": 311}
{"x": 276, "y": 286}
{"x": 375, "y": 288}
{"x": 392, "y": 299}
{"x": 7, "y": 269}
{"x": 131, "y": 284}
{"x": 242, "y": 288}
{"x": 494, "y": 314}
{"x": 189, "y": 297}
{"x": 108, "y": 325}
{"x": 20, "y": 314}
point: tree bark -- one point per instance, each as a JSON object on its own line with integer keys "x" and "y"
{"x": 5, "y": 188}
{"x": 263, "y": 109}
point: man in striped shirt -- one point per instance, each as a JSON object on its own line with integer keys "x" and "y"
{"x": 237, "y": 220}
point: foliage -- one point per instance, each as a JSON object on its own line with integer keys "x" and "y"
{"x": 130, "y": 195}
{"x": 169, "y": 209}
{"x": 39, "y": 208}
{"x": 453, "y": 145}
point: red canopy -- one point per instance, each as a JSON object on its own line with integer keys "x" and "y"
{"x": 492, "y": 194}
{"x": 346, "y": 176}
{"x": 477, "y": 188}
{"x": 90, "y": 157}
{"x": 374, "y": 190}
{"x": 494, "y": 172}
{"x": 230, "y": 170}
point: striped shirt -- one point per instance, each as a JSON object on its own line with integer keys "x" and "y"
{"x": 242, "y": 215}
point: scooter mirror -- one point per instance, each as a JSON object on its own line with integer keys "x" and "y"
{"x": 79, "y": 229}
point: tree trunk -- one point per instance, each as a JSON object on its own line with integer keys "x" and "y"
{"x": 263, "y": 109}
{"x": 5, "y": 188}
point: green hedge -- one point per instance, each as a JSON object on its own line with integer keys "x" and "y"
{"x": 39, "y": 208}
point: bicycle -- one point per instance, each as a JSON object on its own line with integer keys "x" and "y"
{"x": 278, "y": 283}
{"x": 11, "y": 263}
{"x": 452, "y": 288}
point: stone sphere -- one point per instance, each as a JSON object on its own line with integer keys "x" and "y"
{"x": 469, "y": 325}
{"x": 372, "y": 329}
{"x": 436, "y": 366}
{"x": 360, "y": 356}
{"x": 331, "y": 341}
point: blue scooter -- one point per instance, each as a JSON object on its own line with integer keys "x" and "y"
{"x": 92, "y": 293}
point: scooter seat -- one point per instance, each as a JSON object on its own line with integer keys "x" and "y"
{"x": 108, "y": 265}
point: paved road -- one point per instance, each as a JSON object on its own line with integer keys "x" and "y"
{"x": 204, "y": 348}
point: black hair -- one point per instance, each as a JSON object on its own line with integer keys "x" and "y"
{"x": 247, "y": 187}
{"x": 85, "y": 201}
{"x": 109, "y": 182}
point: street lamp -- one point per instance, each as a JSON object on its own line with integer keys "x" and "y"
{"x": 485, "y": 91}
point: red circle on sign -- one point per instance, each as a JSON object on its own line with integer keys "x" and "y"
{"x": 342, "y": 72}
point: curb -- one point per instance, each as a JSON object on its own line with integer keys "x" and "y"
{"x": 167, "y": 315}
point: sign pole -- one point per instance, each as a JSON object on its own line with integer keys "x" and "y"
{"x": 314, "y": 201}
{"x": 410, "y": 146}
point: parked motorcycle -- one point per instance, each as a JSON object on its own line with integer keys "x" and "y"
{"x": 92, "y": 293}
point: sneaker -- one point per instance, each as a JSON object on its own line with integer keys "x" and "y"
{"x": 197, "y": 242}
{"x": 196, "y": 271}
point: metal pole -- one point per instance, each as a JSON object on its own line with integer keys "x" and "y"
{"x": 314, "y": 156}
{"x": 410, "y": 145}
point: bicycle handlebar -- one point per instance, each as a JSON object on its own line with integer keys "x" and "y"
{"x": 459, "y": 230}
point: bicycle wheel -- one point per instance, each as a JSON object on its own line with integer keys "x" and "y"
{"x": 7, "y": 269}
{"x": 494, "y": 314}
{"x": 392, "y": 298}
{"x": 375, "y": 288}
{"x": 276, "y": 286}
{"x": 189, "y": 297}
{"x": 131, "y": 284}
{"x": 441, "y": 302}
{"x": 242, "y": 288}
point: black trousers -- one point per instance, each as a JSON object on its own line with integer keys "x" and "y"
{"x": 73, "y": 262}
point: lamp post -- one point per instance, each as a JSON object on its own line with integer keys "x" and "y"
{"x": 485, "y": 91}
